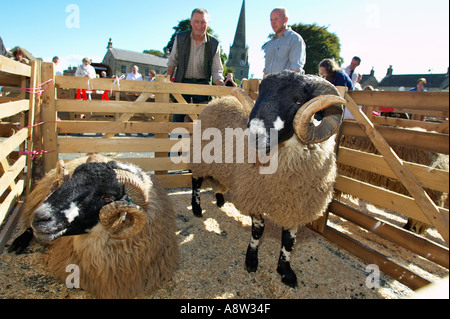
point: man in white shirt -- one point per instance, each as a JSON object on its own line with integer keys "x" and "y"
{"x": 287, "y": 49}
{"x": 86, "y": 69}
{"x": 58, "y": 69}
{"x": 350, "y": 70}
{"x": 134, "y": 75}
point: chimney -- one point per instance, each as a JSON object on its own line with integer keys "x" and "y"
{"x": 372, "y": 72}
{"x": 389, "y": 71}
{"x": 109, "y": 44}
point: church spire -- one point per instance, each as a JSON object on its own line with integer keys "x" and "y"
{"x": 238, "y": 57}
{"x": 239, "y": 37}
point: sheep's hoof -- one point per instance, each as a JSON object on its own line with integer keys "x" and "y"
{"x": 288, "y": 277}
{"x": 251, "y": 260}
{"x": 197, "y": 212}
{"x": 290, "y": 280}
{"x": 196, "y": 208}
{"x": 220, "y": 200}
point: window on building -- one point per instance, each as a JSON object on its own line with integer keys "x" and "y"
{"x": 124, "y": 69}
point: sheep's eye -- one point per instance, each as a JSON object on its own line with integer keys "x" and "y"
{"x": 298, "y": 102}
{"x": 108, "y": 199}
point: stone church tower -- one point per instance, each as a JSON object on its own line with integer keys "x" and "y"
{"x": 238, "y": 57}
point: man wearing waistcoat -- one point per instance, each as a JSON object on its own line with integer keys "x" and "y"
{"x": 196, "y": 57}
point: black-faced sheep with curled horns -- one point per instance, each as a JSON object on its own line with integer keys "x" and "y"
{"x": 300, "y": 189}
{"x": 111, "y": 219}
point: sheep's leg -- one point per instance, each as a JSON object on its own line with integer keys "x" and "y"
{"x": 415, "y": 226}
{"x": 220, "y": 200}
{"x": 21, "y": 242}
{"x": 196, "y": 186}
{"x": 251, "y": 259}
{"x": 284, "y": 262}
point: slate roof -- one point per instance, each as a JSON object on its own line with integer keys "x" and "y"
{"x": 136, "y": 57}
{"x": 409, "y": 80}
{"x": 367, "y": 77}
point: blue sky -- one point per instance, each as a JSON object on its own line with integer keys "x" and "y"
{"x": 411, "y": 35}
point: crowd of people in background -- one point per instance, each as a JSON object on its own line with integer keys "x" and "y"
{"x": 195, "y": 58}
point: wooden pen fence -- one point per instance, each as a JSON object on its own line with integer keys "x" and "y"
{"x": 16, "y": 138}
{"x": 120, "y": 127}
{"x": 432, "y": 137}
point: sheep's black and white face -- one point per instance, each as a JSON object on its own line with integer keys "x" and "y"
{"x": 280, "y": 97}
{"x": 74, "y": 208}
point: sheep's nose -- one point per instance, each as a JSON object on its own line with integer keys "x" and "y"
{"x": 43, "y": 217}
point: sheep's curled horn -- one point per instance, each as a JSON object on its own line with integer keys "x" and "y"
{"x": 306, "y": 131}
{"x": 122, "y": 219}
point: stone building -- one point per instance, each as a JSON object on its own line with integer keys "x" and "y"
{"x": 238, "y": 57}
{"x": 121, "y": 61}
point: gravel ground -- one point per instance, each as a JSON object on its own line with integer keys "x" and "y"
{"x": 212, "y": 255}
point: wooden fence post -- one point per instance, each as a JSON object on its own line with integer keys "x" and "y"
{"x": 161, "y": 98}
{"x": 48, "y": 116}
{"x": 251, "y": 86}
{"x": 35, "y": 70}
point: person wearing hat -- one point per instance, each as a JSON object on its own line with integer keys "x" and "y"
{"x": 86, "y": 70}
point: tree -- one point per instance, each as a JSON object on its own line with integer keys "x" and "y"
{"x": 183, "y": 25}
{"x": 320, "y": 44}
{"x": 153, "y": 52}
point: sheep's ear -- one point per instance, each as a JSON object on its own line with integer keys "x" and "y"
{"x": 244, "y": 98}
{"x": 95, "y": 158}
{"x": 307, "y": 90}
{"x": 317, "y": 86}
{"x": 62, "y": 174}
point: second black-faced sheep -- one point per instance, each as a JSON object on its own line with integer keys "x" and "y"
{"x": 409, "y": 154}
{"x": 110, "y": 219}
{"x": 300, "y": 189}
